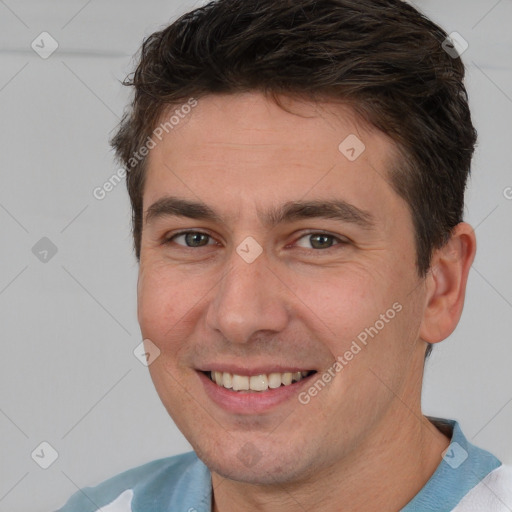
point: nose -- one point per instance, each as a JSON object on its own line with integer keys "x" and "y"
{"x": 249, "y": 298}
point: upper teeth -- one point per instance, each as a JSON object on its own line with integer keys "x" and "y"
{"x": 255, "y": 382}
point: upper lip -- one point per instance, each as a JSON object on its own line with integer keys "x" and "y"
{"x": 238, "y": 369}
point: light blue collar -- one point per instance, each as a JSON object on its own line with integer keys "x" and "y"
{"x": 463, "y": 466}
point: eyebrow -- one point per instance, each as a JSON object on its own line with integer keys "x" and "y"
{"x": 337, "y": 209}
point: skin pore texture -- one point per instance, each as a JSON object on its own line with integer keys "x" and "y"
{"x": 361, "y": 443}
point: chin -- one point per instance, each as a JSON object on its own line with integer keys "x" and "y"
{"x": 250, "y": 465}
{"x": 259, "y": 475}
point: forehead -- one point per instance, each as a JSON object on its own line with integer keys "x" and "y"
{"x": 232, "y": 151}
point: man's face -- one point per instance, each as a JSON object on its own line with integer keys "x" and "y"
{"x": 252, "y": 294}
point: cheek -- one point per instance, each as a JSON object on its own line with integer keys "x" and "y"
{"x": 166, "y": 301}
{"x": 344, "y": 303}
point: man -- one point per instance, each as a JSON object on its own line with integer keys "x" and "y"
{"x": 297, "y": 172}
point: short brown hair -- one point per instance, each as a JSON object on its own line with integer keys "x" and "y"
{"x": 382, "y": 57}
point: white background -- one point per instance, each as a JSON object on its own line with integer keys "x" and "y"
{"x": 69, "y": 327}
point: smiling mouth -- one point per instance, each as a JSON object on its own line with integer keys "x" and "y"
{"x": 256, "y": 383}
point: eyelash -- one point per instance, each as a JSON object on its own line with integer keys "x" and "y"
{"x": 340, "y": 241}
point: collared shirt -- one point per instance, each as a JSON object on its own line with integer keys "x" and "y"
{"x": 468, "y": 479}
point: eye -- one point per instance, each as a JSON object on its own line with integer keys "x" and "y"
{"x": 320, "y": 241}
{"x": 191, "y": 239}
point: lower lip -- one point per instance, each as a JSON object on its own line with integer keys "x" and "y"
{"x": 241, "y": 402}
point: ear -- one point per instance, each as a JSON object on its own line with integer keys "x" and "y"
{"x": 446, "y": 284}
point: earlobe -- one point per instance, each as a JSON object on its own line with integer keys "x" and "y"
{"x": 446, "y": 284}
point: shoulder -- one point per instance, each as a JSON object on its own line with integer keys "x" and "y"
{"x": 492, "y": 494}
{"x": 158, "y": 481}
